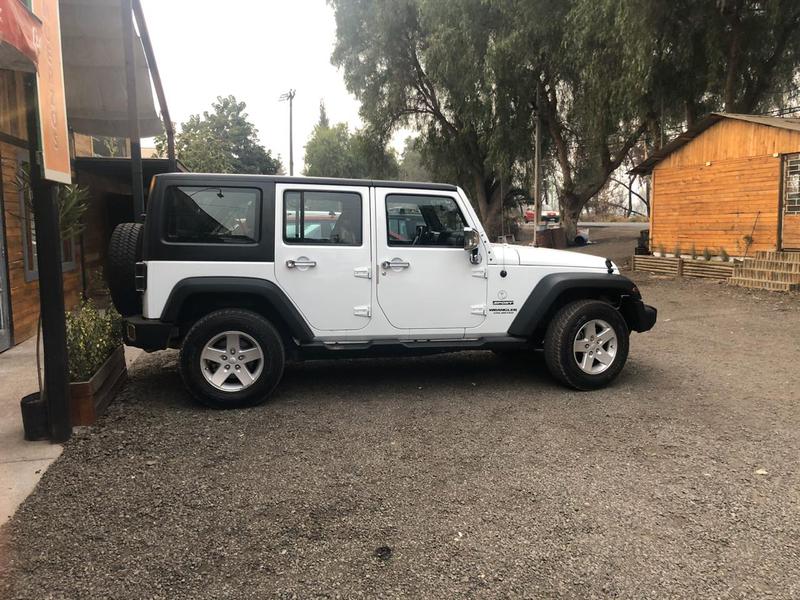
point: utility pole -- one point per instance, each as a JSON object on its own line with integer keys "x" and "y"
{"x": 537, "y": 166}
{"x": 290, "y": 97}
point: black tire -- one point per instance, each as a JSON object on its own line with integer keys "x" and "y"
{"x": 560, "y": 338}
{"x": 201, "y": 335}
{"x": 124, "y": 251}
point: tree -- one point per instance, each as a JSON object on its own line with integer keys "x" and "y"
{"x": 332, "y": 151}
{"x": 413, "y": 166}
{"x": 222, "y": 141}
{"x": 429, "y": 65}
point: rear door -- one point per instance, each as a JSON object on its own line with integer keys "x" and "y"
{"x": 425, "y": 279}
{"x": 322, "y": 253}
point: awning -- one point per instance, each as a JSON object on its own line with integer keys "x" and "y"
{"x": 94, "y": 71}
{"x": 19, "y": 30}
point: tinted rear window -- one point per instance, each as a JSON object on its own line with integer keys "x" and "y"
{"x": 212, "y": 215}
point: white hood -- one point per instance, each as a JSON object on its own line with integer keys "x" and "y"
{"x": 547, "y": 257}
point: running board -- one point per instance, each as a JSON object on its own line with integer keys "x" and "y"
{"x": 356, "y": 349}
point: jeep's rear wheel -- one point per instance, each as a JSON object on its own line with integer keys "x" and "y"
{"x": 231, "y": 359}
{"x": 586, "y": 344}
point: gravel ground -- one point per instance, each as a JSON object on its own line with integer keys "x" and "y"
{"x": 449, "y": 476}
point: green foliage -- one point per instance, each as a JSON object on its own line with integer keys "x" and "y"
{"x": 693, "y": 252}
{"x": 73, "y": 200}
{"x": 677, "y": 251}
{"x": 222, "y": 141}
{"x": 662, "y": 251}
{"x": 413, "y": 166}
{"x": 92, "y": 336}
{"x": 723, "y": 254}
{"x": 706, "y": 254}
{"x": 332, "y": 151}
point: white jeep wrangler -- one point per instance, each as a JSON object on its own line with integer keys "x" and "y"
{"x": 244, "y": 272}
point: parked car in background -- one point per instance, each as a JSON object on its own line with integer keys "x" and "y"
{"x": 548, "y": 216}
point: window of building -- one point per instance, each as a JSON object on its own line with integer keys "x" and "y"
{"x": 212, "y": 215}
{"x": 29, "y": 252}
{"x": 424, "y": 221}
{"x": 322, "y": 217}
{"x": 791, "y": 184}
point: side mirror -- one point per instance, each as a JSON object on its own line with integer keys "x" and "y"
{"x": 472, "y": 239}
{"x": 472, "y": 242}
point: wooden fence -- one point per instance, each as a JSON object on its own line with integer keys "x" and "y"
{"x": 683, "y": 267}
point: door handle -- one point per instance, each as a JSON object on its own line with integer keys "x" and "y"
{"x": 291, "y": 264}
{"x": 395, "y": 263}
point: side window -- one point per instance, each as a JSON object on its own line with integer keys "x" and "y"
{"x": 212, "y": 215}
{"x": 424, "y": 221}
{"x": 317, "y": 217}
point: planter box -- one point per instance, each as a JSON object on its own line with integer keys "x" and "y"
{"x": 89, "y": 399}
{"x": 685, "y": 267}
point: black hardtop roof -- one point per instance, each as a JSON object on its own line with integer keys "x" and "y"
{"x": 311, "y": 180}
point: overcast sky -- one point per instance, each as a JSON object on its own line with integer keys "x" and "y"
{"x": 255, "y": 50}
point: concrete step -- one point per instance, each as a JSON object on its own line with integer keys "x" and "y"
{"x": 771, "y": 265}
{"x": 766, "y": 275}
{"x": 775, "y": 286}
{"x": 779, "y": 256}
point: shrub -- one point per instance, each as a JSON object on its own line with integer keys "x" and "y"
{"x": 723, "y": 254}
{"x": 662, "y": 251}
{"x": 677, "y": 251}
{"x": 92, "y": 336}
{"x": 706, "y": 254}
{"x": 694, "y": 252}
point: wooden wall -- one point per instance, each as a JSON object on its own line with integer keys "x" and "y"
{"x": 24, "y": 295}
{"x": 716, "y": 205}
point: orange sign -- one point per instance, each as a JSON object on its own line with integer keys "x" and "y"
{"x": 52, "y": 98}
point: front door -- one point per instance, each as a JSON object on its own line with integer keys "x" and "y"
{"x": 790, "y": 229}
{"x": 322, "y": 253}
{"x": 5, "y": 312}
{"x": 426, "y": 280}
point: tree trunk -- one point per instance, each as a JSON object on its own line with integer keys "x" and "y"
{"x": 571, "y": 206}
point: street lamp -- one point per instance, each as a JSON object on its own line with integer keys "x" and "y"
{"x": 290, "y": 97}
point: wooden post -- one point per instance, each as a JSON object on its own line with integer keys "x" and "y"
{"x": 679, "y": 269}
{"x": 129, "y": 41}
{"x": 51, "y": 285}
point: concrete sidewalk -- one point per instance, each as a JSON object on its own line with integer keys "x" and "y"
{"x": 22, "y": 463}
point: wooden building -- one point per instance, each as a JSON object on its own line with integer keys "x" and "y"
{"x": 731, "y": 182}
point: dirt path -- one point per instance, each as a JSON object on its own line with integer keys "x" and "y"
{"x": 452, "y": 476}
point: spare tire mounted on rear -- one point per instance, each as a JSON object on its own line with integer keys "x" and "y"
{"x": 124, "y": 251}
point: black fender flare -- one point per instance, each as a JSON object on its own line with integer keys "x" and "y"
{"x": 261, "y": 288}
{"x": 551, "y": 287}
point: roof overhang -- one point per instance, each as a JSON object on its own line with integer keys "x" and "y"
{"x": 19, "y": 32}
{"x": 646, "y": 166}
{"x": 94, "y": 71}
{"x": 120, "y": 168}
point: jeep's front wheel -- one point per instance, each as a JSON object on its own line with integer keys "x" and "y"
{"x": 586, "y": 344}
{"x": 231, "y": 359}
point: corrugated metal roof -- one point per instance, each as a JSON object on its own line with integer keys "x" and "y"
{"x": 646, "y": 167}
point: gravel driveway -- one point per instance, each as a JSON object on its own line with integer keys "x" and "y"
{"x": 450, "y": 476}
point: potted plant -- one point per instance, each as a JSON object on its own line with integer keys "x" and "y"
{"x": 96, "y": 361}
